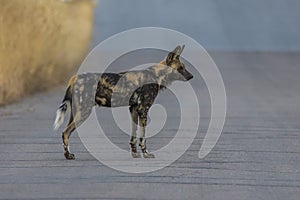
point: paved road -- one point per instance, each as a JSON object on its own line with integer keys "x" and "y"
{"x": 257, "y": 156}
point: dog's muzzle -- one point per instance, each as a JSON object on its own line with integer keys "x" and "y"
{"x": 190, "y": 77}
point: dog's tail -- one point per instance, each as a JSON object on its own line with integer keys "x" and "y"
{"x": 66, "y": 103}
{"x": 60, "y": 114}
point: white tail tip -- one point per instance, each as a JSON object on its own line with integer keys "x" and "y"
{"x": 59, "y": 120}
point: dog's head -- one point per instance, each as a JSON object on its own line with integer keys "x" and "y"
{"x": 179, "y": 70}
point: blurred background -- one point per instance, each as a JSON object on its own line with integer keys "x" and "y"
{"x": 231, "y": 25}
{"x": 43, "y": 42}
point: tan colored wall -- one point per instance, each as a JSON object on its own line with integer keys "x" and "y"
{"x": 41, "y": 44}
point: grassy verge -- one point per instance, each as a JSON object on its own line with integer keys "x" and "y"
{"x": 41, "y": 44}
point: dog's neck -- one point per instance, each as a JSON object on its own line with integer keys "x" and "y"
{"x": 161, "y": 73}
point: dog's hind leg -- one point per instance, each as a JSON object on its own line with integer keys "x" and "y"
{"x": 73, "y": 123}
{"x": 66, "y": 135}
{"x": 142, "y": 144}
{"x": 133, "y": 139}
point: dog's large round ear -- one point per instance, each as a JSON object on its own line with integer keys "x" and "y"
{"x": 170, "y": 58}
{"x": 173, "y": 55}
{"x": 177, "y": 50}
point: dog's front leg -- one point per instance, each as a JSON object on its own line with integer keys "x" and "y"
{"x": 133, "y": 139}
{"x": 142, "y": 144}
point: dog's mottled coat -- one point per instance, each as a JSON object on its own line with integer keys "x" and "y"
{"x": 136, "y": 89}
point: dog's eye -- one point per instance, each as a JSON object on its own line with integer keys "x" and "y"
{"x": 180, "y": 68}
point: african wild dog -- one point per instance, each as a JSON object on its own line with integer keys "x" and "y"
{"x": 136, "y": 89}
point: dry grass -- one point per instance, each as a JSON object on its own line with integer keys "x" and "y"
{"x": 41, "y": 43}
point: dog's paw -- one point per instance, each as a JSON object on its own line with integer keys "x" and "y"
{"x": 148, "y": 155}
{"x": 136, "y": 155}
{"x": 69, "y": 156}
